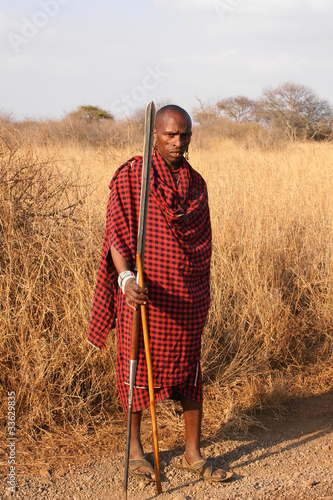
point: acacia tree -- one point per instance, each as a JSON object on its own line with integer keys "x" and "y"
{"x": 238, "y": 109}
{"x": 297, "y": 110}
{"x": 91, "y": 114}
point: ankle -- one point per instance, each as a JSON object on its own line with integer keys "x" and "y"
{"x": 192, "y": 455}
{"x": 136, "y": 450}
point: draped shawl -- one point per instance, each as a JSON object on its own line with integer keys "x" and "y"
{"x": 176, "y": 269}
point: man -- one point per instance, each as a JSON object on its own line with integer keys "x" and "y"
{"x": 177, "y": 269}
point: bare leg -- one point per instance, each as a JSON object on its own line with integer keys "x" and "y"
{"x": 136, "y": 451}
{"x": 193, "y": 417}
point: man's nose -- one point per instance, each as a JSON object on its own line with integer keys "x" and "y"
{"x": 178, "y": 141}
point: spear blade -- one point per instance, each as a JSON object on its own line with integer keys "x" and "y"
{"x": 145, "y": 183}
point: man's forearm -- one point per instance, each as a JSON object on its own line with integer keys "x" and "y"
{"x": 120, "y": 263}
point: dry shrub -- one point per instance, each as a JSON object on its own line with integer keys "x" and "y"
{"x": 246, "y": 134}
{"x": 269, "y": 332}
{"x": 49, "y": 254}
{"x": 69, "y": 131}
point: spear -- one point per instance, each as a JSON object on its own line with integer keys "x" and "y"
{"x": 146, "y": 168}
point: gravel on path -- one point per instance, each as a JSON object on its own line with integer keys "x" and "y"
{"x": 292, "y": 459}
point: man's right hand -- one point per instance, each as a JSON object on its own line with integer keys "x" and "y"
{"x": 135, "y": 296}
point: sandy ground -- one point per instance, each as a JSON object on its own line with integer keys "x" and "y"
{"x": 292, "y": 459}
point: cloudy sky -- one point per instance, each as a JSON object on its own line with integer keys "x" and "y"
{"x": 59, "y": 54}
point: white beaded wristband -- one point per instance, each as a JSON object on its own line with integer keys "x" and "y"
{"x": 125, "y": 281}
{"x": 123, "y": 275}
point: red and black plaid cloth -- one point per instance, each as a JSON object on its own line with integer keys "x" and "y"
{"x": 176, "y": 272}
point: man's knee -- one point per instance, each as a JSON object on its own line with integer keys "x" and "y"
{"x": 190, "y": 404}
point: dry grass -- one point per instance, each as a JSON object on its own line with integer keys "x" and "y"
{"x": 270, "y": 324}
{"x": 269, "y": 332}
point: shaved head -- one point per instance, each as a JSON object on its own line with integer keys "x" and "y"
{"x": 171, "y": 110}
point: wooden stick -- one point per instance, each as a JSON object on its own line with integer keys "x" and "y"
{"x": 150, "y": 381}
{"x": 133, "y": 366}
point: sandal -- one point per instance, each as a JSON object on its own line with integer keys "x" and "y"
{"x": 204, "y": 470}
{"x": 136, "y": 463}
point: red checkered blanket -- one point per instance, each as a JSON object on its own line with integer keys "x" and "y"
{"x": 176, "y": 268}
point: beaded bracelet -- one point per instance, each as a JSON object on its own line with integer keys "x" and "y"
{"x": 125, "y": 281}
{"x": 123, "y": 277}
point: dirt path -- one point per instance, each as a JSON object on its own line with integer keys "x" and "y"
{"x": 293, "y": 459}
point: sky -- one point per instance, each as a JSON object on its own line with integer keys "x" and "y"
{"x": 57, "y": 55}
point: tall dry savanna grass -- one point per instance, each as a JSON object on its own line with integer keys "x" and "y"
{"x": 269, "y": 332}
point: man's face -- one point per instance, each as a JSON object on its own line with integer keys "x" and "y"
{"x": 173, "y": 135}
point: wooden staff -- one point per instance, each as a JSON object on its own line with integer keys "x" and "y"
{"x": 150, "y": 382}
{"x": 146, "y": 168}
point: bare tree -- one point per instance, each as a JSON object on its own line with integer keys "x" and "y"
{"x": 205, "y": 113}
{"x": 297, "y": 110}
{"x": 238, "y": 109}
